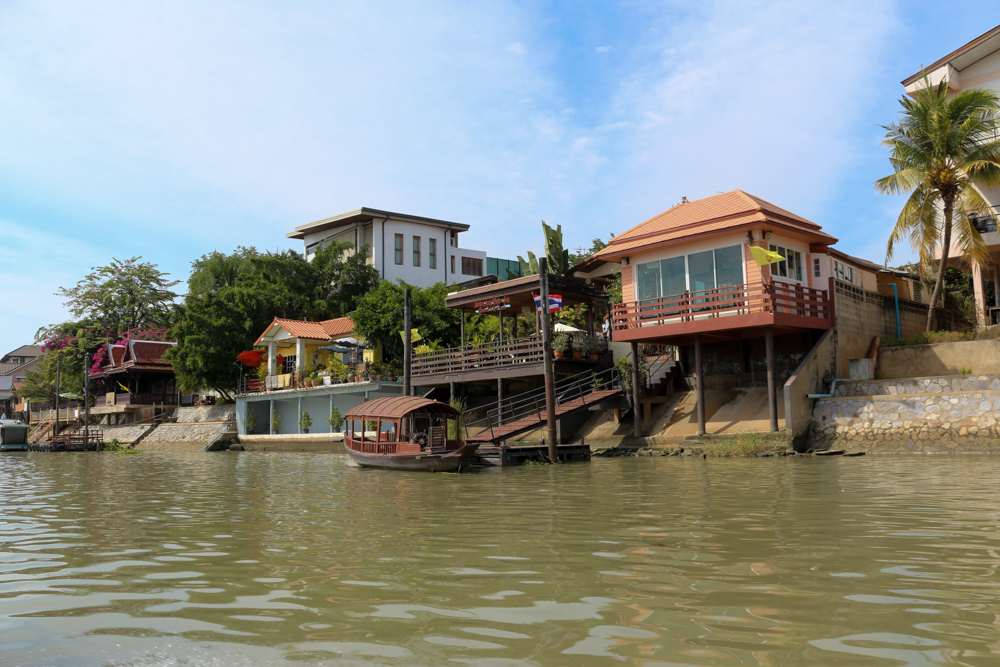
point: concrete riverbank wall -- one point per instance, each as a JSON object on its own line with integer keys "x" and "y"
{"x": 195, "y": 429}
{"x": 930, "y": 415}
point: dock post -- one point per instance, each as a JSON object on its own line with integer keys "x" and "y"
{"x": 550, "y": 389}
{"x": 407, "y": 341}
{"x": 86, "y": 399}
{"x": 55, "y": 431}
{"x": 772, "y": 388}
{"x": 699, "y": 384}
{"x": 500, "y": 379}
{"x": 636, "y": 405}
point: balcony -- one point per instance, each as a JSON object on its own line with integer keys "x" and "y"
{"x": 130, "y": 398}
{"x": 725, "y": 312}
{"x": 488, "y": 361}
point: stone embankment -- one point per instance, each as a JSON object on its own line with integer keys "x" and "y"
{"x": 195, "y": 430}
{"x": 934, "y": 415}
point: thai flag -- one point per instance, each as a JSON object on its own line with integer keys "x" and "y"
{"x": 555, "y": 303}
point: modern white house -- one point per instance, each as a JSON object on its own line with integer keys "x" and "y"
{"x": 420, "y": 251}
{"x": 974, "y": 65}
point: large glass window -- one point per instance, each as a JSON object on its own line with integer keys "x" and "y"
{"x": 729, "y": 266}
{"x": 399, "y": 248}
{"x": 648, "y": 278}
{"x": 701, "y": 271}
{"x": 416, "y": 251}
{"x": 673, "y": 276}
{"x": 432, "y": 253}
{"x": 791, "y": 267}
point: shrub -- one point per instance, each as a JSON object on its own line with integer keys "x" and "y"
{"x": 335, "y": 420}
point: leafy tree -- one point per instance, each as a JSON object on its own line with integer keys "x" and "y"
{"x": 122, "y": 295}
{"x": 379, "y": 316}
{"x": 557, "y": 256}
{"x": 232, "y": 298}
{"x": 596, "y": 245}
{"x": 938, "y": 150}
{"x": 66, "y": 343}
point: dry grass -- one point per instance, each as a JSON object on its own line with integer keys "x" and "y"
{"x": 748, "y": 444}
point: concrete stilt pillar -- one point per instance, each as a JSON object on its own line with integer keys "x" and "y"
{"x": 699, "y": 378}
{"x": 636, "y": 387}
{"x": 772, "y": 387}
{"x": 979, "y": 293}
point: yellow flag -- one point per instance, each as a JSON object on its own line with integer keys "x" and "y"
{"x": 414, "y": 335}
{"x": 762, "y": 256}
{"x": 124, "y": 388}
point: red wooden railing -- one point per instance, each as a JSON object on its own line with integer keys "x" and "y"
{"x": 773, "y": 298}
{"x": 479, "y": 357}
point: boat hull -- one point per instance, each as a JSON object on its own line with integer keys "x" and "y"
{"x": 428, "y": 462}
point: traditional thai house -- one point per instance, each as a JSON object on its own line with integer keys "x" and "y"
{"x": 740, "y": 285}
{"x": 137, "y": 373}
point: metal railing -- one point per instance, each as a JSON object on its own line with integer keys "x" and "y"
{"x": 532, "y": 402}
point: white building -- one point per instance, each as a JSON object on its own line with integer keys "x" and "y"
{"x": 973, "y": 65}
{"x": 419, "y": 251}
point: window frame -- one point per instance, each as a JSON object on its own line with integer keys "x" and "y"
{"x": 787, "y": 266}
{"x": 473, "y": 260}
{"x": 416, "y": 251}
{"x": 397, "y": 246}
{"x": 432, "y": 258}
{"x": 687, "y": 268}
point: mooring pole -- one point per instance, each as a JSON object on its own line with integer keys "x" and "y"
{"x": 550, "y": 388}
{"x": 407, "y": 342}
{"x": 500, "y": 352}
{"x": 58, "y": 377}
{"x": 772, "y": 389}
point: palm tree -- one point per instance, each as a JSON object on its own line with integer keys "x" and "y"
{"x": 941, "y": 150}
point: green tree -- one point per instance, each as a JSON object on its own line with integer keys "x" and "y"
{"x": 63, "y": 348}
{"x": 596, "y": 245}
{"x": 939, "y": 149}
{"x": 379, "y": 316}
{"x": 123, "y": 295}
{"x": 232, "y": 298}
{"x": 556, "y": 255}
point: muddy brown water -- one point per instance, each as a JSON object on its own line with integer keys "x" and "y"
{"x": 262, "y": 559}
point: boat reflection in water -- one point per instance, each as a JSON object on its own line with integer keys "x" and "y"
{"x": 406, "y": 433}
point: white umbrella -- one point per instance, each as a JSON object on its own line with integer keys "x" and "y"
{"x": 565, "y": 328}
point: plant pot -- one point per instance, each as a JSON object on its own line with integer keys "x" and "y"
{"x": 305, "y": 430}
{"x": 351, "y": 377}
{"x": 559, "y": 354}
{"x": 594, "y": 356}
{"x": 578, "y": 356}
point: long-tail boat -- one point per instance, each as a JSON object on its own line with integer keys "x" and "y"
{"x": 406, "y": 433}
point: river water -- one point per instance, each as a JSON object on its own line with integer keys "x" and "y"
{"x": 262, "y": 559}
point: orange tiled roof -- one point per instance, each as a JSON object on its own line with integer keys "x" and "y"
{"x": 324, "y": 330}
{"x": 732, "y": 210}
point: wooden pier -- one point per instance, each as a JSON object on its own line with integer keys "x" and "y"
{"x": 515, "y": 455}
{"x": 74, "y": 442}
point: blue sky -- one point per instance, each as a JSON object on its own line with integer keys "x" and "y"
{"x": 168, "y": 130}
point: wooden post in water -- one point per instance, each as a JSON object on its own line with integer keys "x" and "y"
{"x": 408, "y": 341}
{"x": 55, "y": 431}
{"x": 550, "y": 388}
{"x": 699, "y": 384}
{"x": 86, "y": 399}
{"x": 636, "y": 404}
{"x": 772, "y": 389}
{"x": 500, "y": 352}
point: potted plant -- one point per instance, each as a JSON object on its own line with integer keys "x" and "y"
{"x": 275, "y": 421}
{"x": 251, "y": 422}
{"x": 559, "y": 345}
{"x": 335, "y": 420}
{"x": 581, "y": 346}
{"x": 305, "y": 422}
{"x": 597, "y": 347}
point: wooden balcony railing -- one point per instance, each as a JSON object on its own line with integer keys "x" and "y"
{"x": 479, "y": 357}
{"x": 772, "y": 298}
{"x": 137, "y": 399}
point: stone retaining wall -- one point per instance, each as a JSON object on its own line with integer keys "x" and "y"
{"x": 185, "y": 437}
{"x": 206, "y": 413}
{"x": 127, "y": 435}
{"x": 951, "y": 414}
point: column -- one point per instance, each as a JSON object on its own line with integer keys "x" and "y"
{"x": 772, "y": 388}
{"x": 300, "y": 354}
{"x": 272, "y": 358}
{"x": 636, "y": 404}
{"x": 699, "y": 384}
{"x": 979, "y": 293}
{"x": 270, "y": 416}
{"x": 298, "y": 426}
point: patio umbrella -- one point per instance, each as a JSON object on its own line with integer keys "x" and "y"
{"x": 560, "y": 327}
{"x": 251, "y": 358}
{"x": 335, "y": 348}
{"x": 348, "y": 341}
{"x": 76, "y": 397}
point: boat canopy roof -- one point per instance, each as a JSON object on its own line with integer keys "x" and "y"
{"x": 394, "y": 407}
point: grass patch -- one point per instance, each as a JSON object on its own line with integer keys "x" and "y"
{"x": 116, "y": 447}
{"x": 748, "y": 444}
{"x": 930, "y": 337}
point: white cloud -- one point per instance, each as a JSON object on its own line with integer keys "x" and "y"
{"x": 518, "y": 48}
{"x": 604, "y": 50}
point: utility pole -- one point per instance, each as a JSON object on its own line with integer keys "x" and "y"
{"x": 86, "y": 398}
{"x": 550, "y": 388}
{"x": 407, "y": 341}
